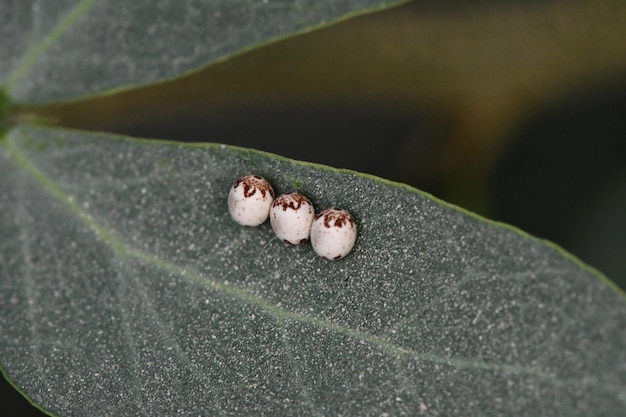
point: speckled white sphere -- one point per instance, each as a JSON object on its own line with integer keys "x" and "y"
{"x": 291, "y": 216}
{"x": 333, "y": 233}
{"x": 250, "y": 199}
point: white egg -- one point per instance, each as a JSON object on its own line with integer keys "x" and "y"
{"x": 250, "y": 199}
{"x": 333, "y": 233}
{"x": 291, "y": 216}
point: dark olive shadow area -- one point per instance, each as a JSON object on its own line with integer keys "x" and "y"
{"x": 563, "y": 178}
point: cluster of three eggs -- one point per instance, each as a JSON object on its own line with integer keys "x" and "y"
{"x": 332, "y": 232}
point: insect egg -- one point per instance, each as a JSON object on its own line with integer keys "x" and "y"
{"x": 333, "y": 233}
{"x": 250, "y": 199}
{"x": 291, "y": 216}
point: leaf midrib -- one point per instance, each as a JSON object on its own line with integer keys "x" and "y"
{"x": 123, "y": 250}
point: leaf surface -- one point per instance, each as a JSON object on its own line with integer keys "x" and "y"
{"x": 72, "y": 48}
{"x": 126, "y": 289}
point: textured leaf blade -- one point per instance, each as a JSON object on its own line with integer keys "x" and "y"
{"x": 75, "y": 48}
{"x": 127, "y": 289}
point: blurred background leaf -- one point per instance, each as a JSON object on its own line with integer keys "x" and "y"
{"x": 69, "y": 48}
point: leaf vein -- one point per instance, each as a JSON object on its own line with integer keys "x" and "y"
{"x": 35, "y": 51}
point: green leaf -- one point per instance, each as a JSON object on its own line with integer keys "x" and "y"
{"x": 126, "y": 289}
{"x": 67, "y": 49}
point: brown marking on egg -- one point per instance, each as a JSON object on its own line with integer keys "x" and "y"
{"x": 338, "y": 217}
{"x": 292, "y": 200}
{"x": 252, "y": 183}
